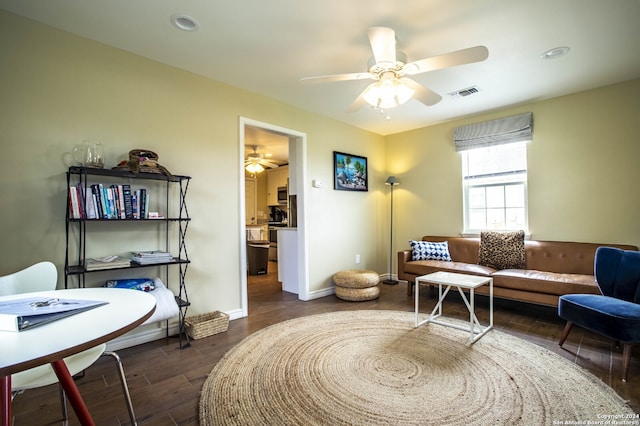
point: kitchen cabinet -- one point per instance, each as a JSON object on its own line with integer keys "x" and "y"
{"x": 276, "y": 178}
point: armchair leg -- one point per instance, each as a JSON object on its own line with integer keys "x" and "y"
{"x": 626, "y": 360}
{"x": 63, "y": 404}
{"x": 125, "y": 388}
{"x": 565, "y": 332}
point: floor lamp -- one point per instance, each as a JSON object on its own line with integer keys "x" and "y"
{"x": 391, "y": 181}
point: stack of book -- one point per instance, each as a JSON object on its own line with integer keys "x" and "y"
{"x": 109, "y": 262}
{"x": 108, "y": 202}
{"x": 151, "y": 257}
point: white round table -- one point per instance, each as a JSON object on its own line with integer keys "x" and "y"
{"x": 50, "y": 343}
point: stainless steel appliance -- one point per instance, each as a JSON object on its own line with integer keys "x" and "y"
{"x": 282, "y": 195}
{"x": 273, "y": 239}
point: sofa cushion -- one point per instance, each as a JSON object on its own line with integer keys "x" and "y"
{"x": 502, "y": 250}
{"x": 424, "y": 267}
{"x": 425, "y": 250}
{"x": 545, "y": 282}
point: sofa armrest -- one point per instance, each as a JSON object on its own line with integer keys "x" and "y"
{"x": 403, "y": 257}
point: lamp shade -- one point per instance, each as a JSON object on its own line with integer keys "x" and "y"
{"x": 389, "y": 92}
{"x": 392, "y": 180}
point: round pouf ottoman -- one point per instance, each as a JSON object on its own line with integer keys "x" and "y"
{"x": 356, "y": 285}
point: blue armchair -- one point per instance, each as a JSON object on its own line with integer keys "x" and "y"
{"x": 616, "y": 312}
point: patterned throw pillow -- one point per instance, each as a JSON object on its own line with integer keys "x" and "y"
{"x": 502, "y": 250}
{"x": 425, "y": 250}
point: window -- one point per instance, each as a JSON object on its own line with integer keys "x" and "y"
{"x": 494, "y": 183}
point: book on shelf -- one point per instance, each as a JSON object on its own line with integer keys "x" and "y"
{"x": 145, "y": 210}
{"x": 82, "y": 206}
{"x": 97, "y": 198}
{"x": 108, "y": 191}
{"x": 120, "y": 196}
{"x": 74, "y": 203}
{"x": 90, "y": 203}
{"x": 151, "y": 253}
{"x": 108, "y": 262}
{"x": 140, "y": 204}
{"x": 126, "y": 191}
{"x": 151, "y": 257}
{"x": 99, "y": 201}
{"x": 29, "y": 312}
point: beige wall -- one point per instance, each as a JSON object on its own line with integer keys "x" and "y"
{"x": 57, "y": 89}
{"x": 584, "y": 170}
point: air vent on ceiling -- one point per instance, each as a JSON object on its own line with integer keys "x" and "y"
{"x": 464, "y": 92}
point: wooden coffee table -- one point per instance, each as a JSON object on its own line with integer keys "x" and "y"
{"x": 461, "y": 282}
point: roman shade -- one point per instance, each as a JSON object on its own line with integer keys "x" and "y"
{"x": 517, "y": 128}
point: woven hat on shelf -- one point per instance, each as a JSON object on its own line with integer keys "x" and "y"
{"x": 143, "y": 161}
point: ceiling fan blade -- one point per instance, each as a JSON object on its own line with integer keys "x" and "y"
{"x": 269, "y": 164}
{"x": 336, "y": 77}
{"x": 357, "y": 104}
{"x": 383, "y": 44}
{"x": 459, "y": 57}
{"x": 422, "y": 94}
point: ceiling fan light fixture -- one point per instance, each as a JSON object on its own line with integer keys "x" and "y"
{"x": 388, "y": 92}
{"x": 254, "y": 168}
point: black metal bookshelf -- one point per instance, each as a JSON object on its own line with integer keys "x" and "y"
{"x": 75, "y": 267}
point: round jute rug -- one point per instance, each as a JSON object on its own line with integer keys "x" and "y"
{"x": 374, "y": 368}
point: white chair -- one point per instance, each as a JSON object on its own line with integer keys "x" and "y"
{"x": 43, "y": 276}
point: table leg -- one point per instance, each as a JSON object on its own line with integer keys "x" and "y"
{"x": 417, "y": 298}
{"x": 5, "y": 393}
{"x": 70, "y": 388}
{"x": 491, "y": 303}
{"x": 472, "y": 314}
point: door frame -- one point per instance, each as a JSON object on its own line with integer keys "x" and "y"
{"x": 300, "y": 170}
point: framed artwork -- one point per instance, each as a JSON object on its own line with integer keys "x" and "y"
{"x": 349, "y": 172}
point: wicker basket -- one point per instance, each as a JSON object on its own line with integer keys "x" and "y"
{"x": 204, "y": 325}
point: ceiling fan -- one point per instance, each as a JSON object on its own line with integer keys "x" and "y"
{"x": 255, "y": 162}
{"x": 389, "y": 69}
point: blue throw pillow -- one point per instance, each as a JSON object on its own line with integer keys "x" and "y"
{"x": 425, "y": 250}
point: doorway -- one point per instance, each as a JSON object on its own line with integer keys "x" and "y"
{"x": 297, "y": 178}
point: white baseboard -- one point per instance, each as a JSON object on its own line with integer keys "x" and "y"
{"x": 144, "y": 334}
{"x": 388, "y": 277}
{"x": 235, "y": 314}
{"x": 321, "y": 293}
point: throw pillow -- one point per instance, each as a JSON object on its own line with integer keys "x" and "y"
{"x": 425, "y": 250}
{"x": 502, "y": 250}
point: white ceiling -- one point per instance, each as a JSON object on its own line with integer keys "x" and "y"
{"x": 267, "y": 46}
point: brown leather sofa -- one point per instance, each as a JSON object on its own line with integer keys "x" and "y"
{"x": 554, "y": 268}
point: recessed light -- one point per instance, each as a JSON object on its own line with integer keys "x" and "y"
{"x": 556, "y": 52}
{"x": 185, "y": 22}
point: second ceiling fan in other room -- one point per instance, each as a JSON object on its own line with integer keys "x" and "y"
{"x": 389, "y": 69}
{"x": 255, "y": 162}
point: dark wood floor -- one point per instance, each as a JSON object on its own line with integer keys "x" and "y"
{"x": 165, "y": 382}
